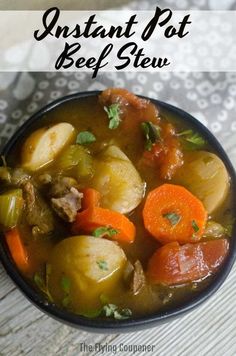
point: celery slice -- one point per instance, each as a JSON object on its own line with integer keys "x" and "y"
{"x": 11, "y": 204}
{"x": 78, "y": 158}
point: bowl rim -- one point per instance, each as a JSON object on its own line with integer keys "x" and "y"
{"x": 137, "y": 323}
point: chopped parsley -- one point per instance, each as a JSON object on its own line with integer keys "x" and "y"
{"x": 39, "y": 281}
{"x": 42, "y": 283}
{"x": 104, "y": 231}
{"x": 102, "y": 265}
{"x": 173, "y": 218}
{"x": 195, "y": 226}
{"x": 65, "y": 284}
{"x": 112, "y": 311}
{"x": 85, "y": 138}
{"x": 151, "y": 133}
{"x": 192, "y": 140}
{"x": 113, "y": 113}
{"x": 109, "y": 311}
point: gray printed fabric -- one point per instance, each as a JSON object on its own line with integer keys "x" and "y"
{"x": 105, "y": 4}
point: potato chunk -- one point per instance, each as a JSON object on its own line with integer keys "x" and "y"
{"x": 205, "y": 175}
{"x": 43, "y": 145}
{"x": 92, "y": 266}
{"x": 118, "y": 181}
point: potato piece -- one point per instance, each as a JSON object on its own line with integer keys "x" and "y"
{"x": 115, "y": 152}
{"x": 205, "y": 175}
{"x": 43, "y": 145}
{"x": 118, "y": 181}
{"x": 92, "y": 266}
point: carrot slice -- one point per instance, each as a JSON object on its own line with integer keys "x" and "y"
{"x": 94, "y": 217}
{"x": 172, "y": 213}
{"x": 17, "y": 249}
{"x": 174, "y": 264}
{"x": 91, "y": 198}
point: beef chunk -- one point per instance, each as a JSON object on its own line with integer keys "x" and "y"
{"x": 134, "y": 277}
{"x": 62, "y": 185}
{"x": 68, "y": 205}
{"x": 38, "y": 213}
{"x": 138, "y": 280}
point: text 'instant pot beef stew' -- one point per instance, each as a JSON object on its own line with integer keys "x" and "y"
{"x": 113, "y": 208}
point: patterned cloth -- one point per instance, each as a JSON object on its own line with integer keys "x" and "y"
{"x": 185, "y": 4}
{"x": 104, "y": 4}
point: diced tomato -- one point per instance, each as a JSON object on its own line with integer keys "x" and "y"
{"x": 150, "y": 158}
{"x": 123, "y": 97}
{"x": 165, "y": 154}
{"x": 133, "y": 110}
{"x": 175, "y": 264}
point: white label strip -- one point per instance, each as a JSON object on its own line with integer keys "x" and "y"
{"x": 117, "y": 41}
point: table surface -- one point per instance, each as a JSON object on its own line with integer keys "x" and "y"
{"x": 211, "y": 98}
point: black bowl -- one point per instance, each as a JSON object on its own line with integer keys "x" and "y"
{"x": 133, "y": 324}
